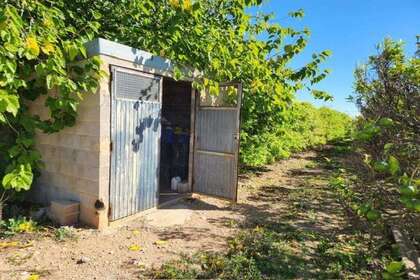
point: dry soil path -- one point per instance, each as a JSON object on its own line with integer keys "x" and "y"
{"x": 191, "y": 225}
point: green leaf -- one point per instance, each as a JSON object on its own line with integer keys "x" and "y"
{"x": 323, "y": 95}
{"x": 393, "y": 165}
{"x": 386, "y": 122}
{"x": 96, "y": 15}
{"x": 388, "y": 276}
{"x": 409, "y": 190}
{"x": 394, "y": 267}
{"x": 373, "y": 215}
{"x": 49, "y": 80}
{"x": 72, "y": 51}
{"x": 9, "y": 103}
{"x": 388, "y": 147}
{"x": 297, "y": 14}
{"x": 31, "y": 47}
{"x": 177, "y": 73}
{"x": 83, "y": 51}
{"x": 19, "y": 178}
{"x": 416, "y": 205}
{"x": 26, "y": 141}
{"x": 380, "y": 166}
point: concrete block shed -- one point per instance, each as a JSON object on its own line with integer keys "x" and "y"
{"x": 138, "y": 131}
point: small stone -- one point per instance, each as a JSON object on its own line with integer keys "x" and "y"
{"x": 83, "y": 259}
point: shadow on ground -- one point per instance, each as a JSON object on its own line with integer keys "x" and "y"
{"x": 289, "y": 221}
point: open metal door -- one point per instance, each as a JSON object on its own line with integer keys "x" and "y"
{"x": 216, "y": 147}
{"x": 135, "y": 135}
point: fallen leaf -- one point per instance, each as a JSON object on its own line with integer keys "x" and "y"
{"x": 141, "y": 266}
{"x": 9, "y": 244}
{"x": 160, "y": 242}
{"x": 134, "y": 248}
{"x": 136, "y": 232}
{"x": 33, "y": 277}
{"x": 15, "y": 244}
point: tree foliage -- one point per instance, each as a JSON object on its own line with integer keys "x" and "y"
{"x": 387, "y": 92}
{"x": 37, "y": 54}
{"x": 304, "y": 126}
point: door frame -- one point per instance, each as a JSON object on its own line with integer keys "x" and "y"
{"x": 196, "y": 105}
{"x": 192, "y": 140}
{"x": 112, "y": 86}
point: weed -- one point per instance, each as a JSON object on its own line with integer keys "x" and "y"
{"x": 64, "y": 233}
{"x": 18, "y": 225}
{"x": 394, "y": 271}
{"x": 311, "y": 164}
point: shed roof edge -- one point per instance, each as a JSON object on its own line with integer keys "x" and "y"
{"x": 100, "y": 46}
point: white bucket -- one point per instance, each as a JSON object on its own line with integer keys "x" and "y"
{"x": 174, "y": 183}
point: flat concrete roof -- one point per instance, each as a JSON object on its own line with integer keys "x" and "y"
{"x": 100, "y": 46}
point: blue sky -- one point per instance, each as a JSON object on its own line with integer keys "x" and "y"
{"x": 351, "y": 29}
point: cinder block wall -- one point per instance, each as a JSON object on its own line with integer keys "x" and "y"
{"x": 74, "y": 164}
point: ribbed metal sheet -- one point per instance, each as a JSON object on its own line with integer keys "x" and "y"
{"x": 215, "y": 175}
{"x": 216, "y": 129}
{"x": 216, "y": 149}
{"x": 135, "y": 135}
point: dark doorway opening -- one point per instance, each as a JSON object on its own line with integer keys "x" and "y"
{"x": 175, "y": 137}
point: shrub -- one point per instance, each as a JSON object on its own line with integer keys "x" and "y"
{"x": 388, "y": 131}
{"x": 304, "y": 127}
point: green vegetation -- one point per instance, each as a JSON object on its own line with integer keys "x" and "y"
{"x": 64, "y": 233}
{"x": 37, "y": 54}
{"x": 304, "y": 127}
{"x": 18, "y": 225}
{"x": 275, "y": 253}
{"x": 388, "y": 131}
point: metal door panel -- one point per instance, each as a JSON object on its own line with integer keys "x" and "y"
{"x": 214, "y": 175}
{"x": 217, "y": 147}
{"x": 222, "y": 121}
{"x": 135, "y": 136}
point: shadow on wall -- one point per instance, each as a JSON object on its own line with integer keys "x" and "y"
{"x": 145, "y": 123}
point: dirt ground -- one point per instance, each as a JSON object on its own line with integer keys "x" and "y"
{"x": 202, "y": 223}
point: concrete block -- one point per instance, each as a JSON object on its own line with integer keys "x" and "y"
{"x": 65, "y": 212}
{"x": 88, "y": 113}
{"x": 90, "y": 99}
{"x": 65, "y": 206}
{"x": 83, "y": 128}
{"x": 88, "y": 216}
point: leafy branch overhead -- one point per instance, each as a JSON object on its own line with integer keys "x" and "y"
{"x": 220, "y": 40}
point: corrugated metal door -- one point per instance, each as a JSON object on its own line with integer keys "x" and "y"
{"x": 135, "y": 135}
{"x": 217, "y": 142}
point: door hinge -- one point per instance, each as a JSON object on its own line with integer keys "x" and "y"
{"x": 110, "y": 146}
